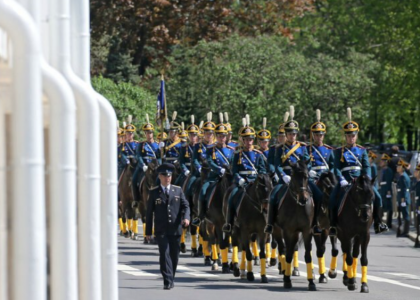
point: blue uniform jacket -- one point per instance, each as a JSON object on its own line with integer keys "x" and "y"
{"x": 270, "y": 159}
{"x": 283, "y": 167}
{"x": 128, "y": 150}
{"x": 187, "y": 152}
{"x": 199, "y": 155}
{"x": 403, "y": 188}
{"x": 385, "y": 184}
{"x": 146, "y": 152}
{"x": 348, "y": 168}
{"x": 233, "y": 144}
{"x": 218, "y": 158}
{"x": 247, "y": 165}
{"x": 172, "y": 150}
{"x": 322, "y": 158}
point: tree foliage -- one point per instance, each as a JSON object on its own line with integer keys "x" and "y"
{"x": 262, "y": 76}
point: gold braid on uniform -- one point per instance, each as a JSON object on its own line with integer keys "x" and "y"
{"x": 214, "y": 152}
{"x": 186, "y": 151}
{"x": 240, "y": 156}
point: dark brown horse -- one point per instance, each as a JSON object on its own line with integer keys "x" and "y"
{"x": 326, "y": 183}
{"x": 294, "y": 216}
{"x": 357, "y": 211}
{"x": 250, "y": 223}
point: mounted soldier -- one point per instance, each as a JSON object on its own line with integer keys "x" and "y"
{"x": 200, "y": 149}
{"x": 129, "y": 147}
{"x": 281, "y": 139}
{"x": 219, "y": 158}
{"x": 172, "y": 145}
{"x": 286, "y": 154}
{"x": 229, "y": 140}
{"x": 322, "y": 160}
{"x": 248, "y": 163}
{"x": 263, "y": 138}
{"x": 386, "y": 176}
{"x": 187, "y": 152}
{"x": 350, "y": 162}
{"x": 120, "y": 141}
{"x": 147, "y": 151}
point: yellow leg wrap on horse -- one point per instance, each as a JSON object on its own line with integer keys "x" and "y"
{"x": 183, "y": 235}
{"x": 130, "y": 224}
{"x": 350, "y": 272}
{"x": 288, "y": 270}
{"x": 235, "y": 258}
{"x": 364, "y": 274}
{"x": 283, "y": 262}
{"x": 274, "y": 253}
{"x": 249, "y": 265}
{"x": 122, "y": 228}
{"x": 206, "y": 250}
{"x": 267, "y": 251}
{"x": 225, "y": 255}
{"x": 136, "y": 226}
{"x": 263, "y": 266}
{"x": 194, "y": 241}
{"x": 321, "y": 262}
{"x": 354, "y": 265}
{"x": 333, "y": 264}
{"x": 295, "y": 259}
{"x": 243, "y": 256}
{"x": 255, "y": 249}
{"x": 344, "y": 262}
{"x": 214, "y": 255}
{"x": 309, "y": 271}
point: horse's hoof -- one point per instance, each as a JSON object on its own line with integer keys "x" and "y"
{"x": 235, "y": 269}
{"x": 194, "y": 252}
{"x": 126, "y": 235}
{"x": 352, "y": 284}
{"x": 287, "y": 284}
{"x": 242, "y": 274}
{"x": 322, "y": 279}
{"x": 256, "y": 261}
{"x": 311, "y": 286}
{"x": 219, "y": 261}
{"x": 332, "y": 274}
{"x": 225, "y": 268}
{"x": 264, "y": 279}
{"x": 250, "y": 276}
{"x": 345, "y": 279}
{"x": 364, "y": 288}
{"x": 295, "y": 272}
{"x": 207, "y": 261}
{"x": 183, "y": 248}
{"x": 214, "y": 266}
{"x": 273, "y": 262}
{"x": 145, "y": 241}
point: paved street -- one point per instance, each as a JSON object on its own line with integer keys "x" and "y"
{"x": 393, "y": 273}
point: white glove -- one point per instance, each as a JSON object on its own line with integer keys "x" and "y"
{"x": 161, "y": 145}
{"x": 344, "y": 183}
{"x": 276, "y": 177}
{"x": 241, "y": 182}
{"x": 186, "y": 172}
{"x": 286, "y": 179}
{"x": 222, "y": 171}
{"x": 403, "y": 204}
{"x": 127, "y": 161}
{"x": 199, "y": 170}
{"x": 389, "y": 196}
{"x": 145, "y": 168}
{"x": 312, "y": 173}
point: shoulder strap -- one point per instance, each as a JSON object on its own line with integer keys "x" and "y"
{"x": 354, "y": 156}
{"x": 224, "y": 157}
{"x": 320, "y": 155}
{"x": 292, "y": 151}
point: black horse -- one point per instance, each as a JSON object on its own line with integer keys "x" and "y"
{"x": 294, "y": 216}
{"x": 326, "y": 183}
{"x": 250, "y": 223}
{"x": 357, "y": 211}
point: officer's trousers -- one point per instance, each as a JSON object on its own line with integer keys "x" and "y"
{"x": 169, "y": 247}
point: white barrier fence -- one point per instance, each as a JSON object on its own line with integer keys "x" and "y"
{"x": 58, "y": 187}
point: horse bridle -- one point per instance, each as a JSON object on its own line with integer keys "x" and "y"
{"x": 257, "y": 205}
{"x": 361, "y": 207}
{"x": 296, "y": 195}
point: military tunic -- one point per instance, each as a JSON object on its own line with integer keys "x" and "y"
{"x": 172, "y": 150}
{"x": 385, "y": 187}
{"x": 145, "y": 153}
{"x": 403, "y": 193}
{"x": 128, "y": 149}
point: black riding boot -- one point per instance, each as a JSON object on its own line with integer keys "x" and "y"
{"x": 271, "y": 217}
{"x": 315, "y": 228}
{"x": 406, "y": 229}
{"x": 227, "y": 227}
{"x": 378, "y": 225}
{"x": 333, "y": 222}
{"x": 201, "y": 213}
{"x": 389, "y": 218}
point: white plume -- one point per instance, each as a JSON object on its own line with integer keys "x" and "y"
{"x": 182, "y": 126}
{"x": 174, "y": 116}
{"x": 286, "y": 116}
{"x": 221, "y": 117}
{"x": 192, "y": 119}
{"x": 129, "y": 119}
{"x": 201, "y": 124}
{"x": 226, "y": 117}
{"x": 118, "y": 124}
{"x": 247, "y": 119}
{"x": 264, "y": 122}
{"x": 318, "y": 115}
{"x": 124, "y": 124}
{"x": 243, "y": 122}
{"x": 349, "y": 113}
{"x": 292, "y": 112}
{"x": 210, "y": 116}
{"x": 147, "y": 118}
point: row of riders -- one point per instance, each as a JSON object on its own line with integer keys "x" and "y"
{"x": 246, "y": 194}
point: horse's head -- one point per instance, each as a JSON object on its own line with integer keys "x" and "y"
{"x": 299, "y": 182}
{"x": 327, "y": 182}
{"x": 132, "y": 163}
{"x": 263, "y": 186}
{"x": 362, "y": 196}
{"x": 151, "y": 173}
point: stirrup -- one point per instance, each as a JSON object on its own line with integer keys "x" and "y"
{"x": 333, "y": 231}
{"x": 380, "y": 227}
{"x": 268, "y": 229}
{"x": 227, "y": 227}
{"x": 316, "y": 230}
{"x": 196, "y": 222}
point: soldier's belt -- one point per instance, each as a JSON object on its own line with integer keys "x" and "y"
{"x": 352, "y": 168}
{"x": 383, "y": 183}
{"x": 188, "y": 164}
{"x": 287, "y": 168}
{"x": 399, "y": 190}
{"x": 171, "y": 158}
{"x": 319, "y": 168}
{"x": 149, "y": 157}
{"x": 247, "y": 173}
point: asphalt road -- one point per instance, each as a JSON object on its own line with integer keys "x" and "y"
{"x": 393, "y": 273}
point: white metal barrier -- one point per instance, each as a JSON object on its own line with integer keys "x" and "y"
{"x": 63, "y": 223}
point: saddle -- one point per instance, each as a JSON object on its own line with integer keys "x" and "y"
{"x": 343, "y": 197}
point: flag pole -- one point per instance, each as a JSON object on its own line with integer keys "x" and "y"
{"x": 162, "y": 118}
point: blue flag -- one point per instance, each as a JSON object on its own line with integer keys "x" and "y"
{"x": 160, "y": 114}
